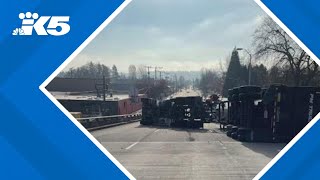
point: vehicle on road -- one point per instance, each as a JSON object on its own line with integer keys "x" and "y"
{"x": 188, "y": 111}
{"x": 275, "y": 114}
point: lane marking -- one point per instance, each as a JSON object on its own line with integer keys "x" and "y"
{"x": 222, "y": 145}
{"x": 129, "y": 147}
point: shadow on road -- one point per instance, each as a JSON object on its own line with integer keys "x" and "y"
{"x": 268, "y": 149}
{"x": 182, "y": 129}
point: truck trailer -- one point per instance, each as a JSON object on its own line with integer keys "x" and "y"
{"x": 275, "y": 114}
{"x": 186, "y": 111}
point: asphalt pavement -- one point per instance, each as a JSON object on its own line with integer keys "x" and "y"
{"x": 187, "y": 92}
{"x": 150, "y": 152}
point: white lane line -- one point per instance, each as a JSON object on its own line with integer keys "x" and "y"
{"x": 222, "y": 145}
{"x": 129, "y": 147}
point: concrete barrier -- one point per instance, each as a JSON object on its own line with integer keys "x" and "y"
{"x": 100, "y": 122}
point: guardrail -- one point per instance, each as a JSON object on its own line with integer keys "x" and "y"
{"x": 100, "y": 122}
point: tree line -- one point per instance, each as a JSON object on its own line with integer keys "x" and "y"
{"x": 93, "y": 71}
{"x": 290, "y": 64}
{"x": 136, "y": 76}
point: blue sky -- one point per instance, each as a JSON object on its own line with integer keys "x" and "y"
{"x": 175, "y": 34}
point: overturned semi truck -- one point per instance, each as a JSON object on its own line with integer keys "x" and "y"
{"x": 175, "y": 112}
{"x": 275, "y": 114}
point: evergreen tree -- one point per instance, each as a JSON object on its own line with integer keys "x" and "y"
{"x": 236, "y": 74}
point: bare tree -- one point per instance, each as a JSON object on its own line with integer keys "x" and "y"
{"x": 142, "y": 72}
{"x": 132, "y": 72}
{"x": 223, "y": 65}
{"x": 270, "y": 41}
{"x": 210, "y": 82}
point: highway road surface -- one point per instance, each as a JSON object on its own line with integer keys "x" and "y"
{"x": 187, "y": 92}
{"x": 166, "y": 153}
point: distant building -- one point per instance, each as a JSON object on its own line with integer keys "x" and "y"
{"x": 80, "y": 95}
{"x": 91, "y": 105}
{"x": 86, "y": 85}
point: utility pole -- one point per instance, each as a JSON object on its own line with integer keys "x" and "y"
{"x": 250, "y": 69}
{"x": 176, "y": 82}
{"x": 104, "y": 88}
{"x": 155, "y": 72}
{"x": 161, "y": 74}
{"x": 148, "y": 68}
{"x": 101, "y": 87}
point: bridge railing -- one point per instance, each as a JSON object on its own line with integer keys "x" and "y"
{"x": 99, "y": 122}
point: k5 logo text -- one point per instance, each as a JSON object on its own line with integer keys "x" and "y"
{"x": 56, "y": 25}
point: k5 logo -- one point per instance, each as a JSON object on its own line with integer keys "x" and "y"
{"x": 57, "y": 26}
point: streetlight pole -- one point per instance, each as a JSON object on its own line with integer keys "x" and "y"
{"x": 249, "y": 66}
{"x": 148, "y": 68}
{"x": 155, "y": 72}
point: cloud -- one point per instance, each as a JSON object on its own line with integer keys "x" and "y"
{"x": 179, "y": 35}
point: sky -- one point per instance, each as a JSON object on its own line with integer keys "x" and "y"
{"x": 178, "y": 35}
